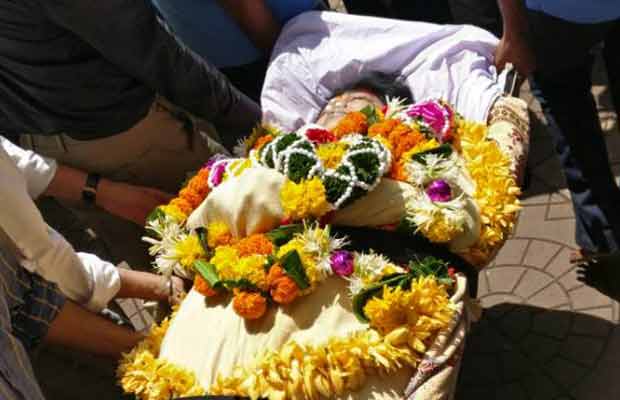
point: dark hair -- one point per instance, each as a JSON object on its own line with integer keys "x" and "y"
{"x": 383, "y": 85}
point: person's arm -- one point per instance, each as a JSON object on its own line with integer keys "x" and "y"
{"x": 514, "y": 46}
{"x": 129, "y": 34}
{"x": 131, "y": 202}
{"x": 255, "y": 18}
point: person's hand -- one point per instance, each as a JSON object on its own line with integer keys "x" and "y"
{"x": 130, "y": 202}
{"x": 515, "y": 50}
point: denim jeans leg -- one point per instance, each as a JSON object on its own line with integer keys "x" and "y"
{"x": 573, "y": 122}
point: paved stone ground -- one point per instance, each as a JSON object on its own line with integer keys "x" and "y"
{"x": 543, "y": 335}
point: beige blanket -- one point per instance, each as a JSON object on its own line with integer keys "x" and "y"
{"x": 212, "y": 339}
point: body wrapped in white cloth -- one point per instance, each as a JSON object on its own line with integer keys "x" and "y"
{"x": 318, "y": 56}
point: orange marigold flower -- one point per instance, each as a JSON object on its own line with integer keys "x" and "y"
{"x": 254, "y": 244}
{"x": 250, "y": 305}
{"x": 275, "y": 272}
{"x": 192, "y": 197}
{"x": 199, "y": 184}
{"x": 203, "y": 287}
{"x": 398, "y": 171}
{"x": 261, "y": 141}
{"x": 282, "y": 288}
{"x": 404, "y": 139}
{"x": 354, "y": 122}
{"x": 183, "y": 205}
{"x": 383, "y": 128}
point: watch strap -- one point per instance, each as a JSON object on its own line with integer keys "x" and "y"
{"x": 89, "y": 191}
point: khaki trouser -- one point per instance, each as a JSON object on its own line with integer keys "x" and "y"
{"x": 159, "y": 151}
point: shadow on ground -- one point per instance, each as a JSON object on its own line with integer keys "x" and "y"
{"x": 531, "y": 353}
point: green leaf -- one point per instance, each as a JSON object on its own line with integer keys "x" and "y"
{"x": 157, "y": 213}
{"x": 371, "y": 115}
{"x": 202, "y": 237}
{"x": 291, "y": 262}
{"x": 299, "y": 165}
{"x": 360, "y": 299}
{"x": 444, "y": 150}
{"x": 430, "y": 266}
{"x": 284, "y": 233}
{"x": 209, "y": 273}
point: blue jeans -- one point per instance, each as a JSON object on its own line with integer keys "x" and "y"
{"x": 562, "y": 85}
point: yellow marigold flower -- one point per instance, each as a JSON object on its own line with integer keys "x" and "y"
{"x": 304, "y": 200}
{"x": 189, "y": 250}
{"x": 252, "y": 268}
{"x": 225, "y": 259}
{"x": 389, "y": 311}
{"x": 307, "y": 261}
{"x": 331, "y": 154}
{"x": 218, "y": 234}
{"x": 173, "y": 212}
{"x": 440, "y": 232}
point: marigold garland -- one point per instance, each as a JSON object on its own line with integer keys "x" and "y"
{"x": 353, "y": 122}
{"x": 189, "y": 197}
{"x": 496, "y": 190}
{"x": 299, "y": 371}
{"x": 142, "y": 373}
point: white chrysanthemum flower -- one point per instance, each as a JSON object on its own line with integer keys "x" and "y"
{"x": 423, "y": 212}
{"x": 356, "y": 284}
{"x": 434, "y": 166}
{"x": 319, "y": 243}
{"x": 168, "y": 233}
{"x": 369, "y": 268}
{"x": 394, "y": 106}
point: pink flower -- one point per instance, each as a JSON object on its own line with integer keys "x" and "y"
{"x": 342, "y": 263}
{"x": 435, "y": 115}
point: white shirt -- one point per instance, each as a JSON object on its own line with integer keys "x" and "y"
{"x": 82, "y": 277}
{"x": 319, "y": 54}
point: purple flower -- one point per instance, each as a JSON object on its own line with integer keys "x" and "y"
{"x": 342, "y": 263}
{"x": 439, "y": 191}
{"x": 436, "y": 116}
{"x": 217, "y": 174}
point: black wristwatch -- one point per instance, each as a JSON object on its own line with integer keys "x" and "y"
{"x": 89, "y": 191}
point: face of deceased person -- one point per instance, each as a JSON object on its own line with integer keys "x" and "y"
{"x": 349, "y": 101}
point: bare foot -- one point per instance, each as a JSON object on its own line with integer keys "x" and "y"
{"x": 602, "y": 272}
